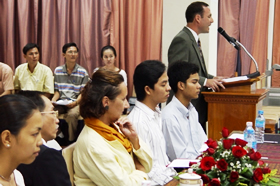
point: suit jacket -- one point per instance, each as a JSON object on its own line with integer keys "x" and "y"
{"x": 184, "y": 47}
{"x": 49, "y": 168}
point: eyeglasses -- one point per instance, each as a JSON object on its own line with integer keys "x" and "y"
{"x": 51, "y": 112}
{"x": 72, "y": 52}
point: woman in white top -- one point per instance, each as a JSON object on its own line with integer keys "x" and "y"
{"x": 108, "y": 55}
{"x": 20, "y": 138}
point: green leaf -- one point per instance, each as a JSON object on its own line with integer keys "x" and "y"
{"x": 199, "y": 171}
{"x": 248, "y": 173}
{"x": 223, "y": 176}
{"x": 212, "y": 174}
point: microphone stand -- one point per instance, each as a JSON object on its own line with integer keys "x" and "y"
{"x": 255, "y": 74}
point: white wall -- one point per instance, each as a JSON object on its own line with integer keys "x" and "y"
{"x": 174, "y": 21}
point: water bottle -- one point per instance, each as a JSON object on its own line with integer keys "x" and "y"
{"x": 249, "y": 135}
{"x": 260, "y": 126}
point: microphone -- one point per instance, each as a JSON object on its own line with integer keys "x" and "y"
{"x": 231, "y": 40}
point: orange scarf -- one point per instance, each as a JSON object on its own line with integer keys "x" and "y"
{"x": 110, "y": 133}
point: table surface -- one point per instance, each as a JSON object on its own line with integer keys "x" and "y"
{"x": 270, "y": 151}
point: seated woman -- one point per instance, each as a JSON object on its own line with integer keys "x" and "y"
{"x": 108, "y": 55}
{"x": 20, "y": 141}
{"x": 103, "y": 155}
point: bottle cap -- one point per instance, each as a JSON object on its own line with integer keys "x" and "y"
{"x": 260, "y": 112}
{"x": 249, "y": 124}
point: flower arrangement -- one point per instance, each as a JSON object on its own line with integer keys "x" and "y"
{"x": 230, "y": 162}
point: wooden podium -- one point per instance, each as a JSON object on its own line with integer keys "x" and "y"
{"x": 234, "y": 106}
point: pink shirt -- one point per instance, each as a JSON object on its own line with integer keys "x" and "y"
{"x": 6, "y": 78}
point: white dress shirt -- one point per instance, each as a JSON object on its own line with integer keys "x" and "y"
{"x": 52, "y": 144}
{"x": 148, "y": 124}
{"x": 182, "y": 131}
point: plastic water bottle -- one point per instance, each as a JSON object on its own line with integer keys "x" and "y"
{"x": 260, "y": 126}
{"x": 249, "y": 135}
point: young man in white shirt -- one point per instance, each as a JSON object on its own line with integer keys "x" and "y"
{"x": 151, "y": 88}
{"x": 182, "y": 131}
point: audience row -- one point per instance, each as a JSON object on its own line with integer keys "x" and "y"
{"x": 111, "y": 149}
{"x": 66, "y": 83}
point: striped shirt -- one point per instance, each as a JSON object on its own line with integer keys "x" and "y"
{"x": 69, "y": 86}
{"x": 148, "y": 125}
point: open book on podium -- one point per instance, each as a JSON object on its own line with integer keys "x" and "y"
{"x": 241, "y": 84}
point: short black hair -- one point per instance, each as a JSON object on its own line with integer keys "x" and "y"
{"x": 67, "y": 45}
{"x": 110, "y": 48}
{"x": 147, "y": 73}
{"x": 193, "y": 9}
{"x": 36, "y": 97}
{"x": 29, "y": 46}
{"x": 180, "y": 71}
{"x": 14, "y": 111}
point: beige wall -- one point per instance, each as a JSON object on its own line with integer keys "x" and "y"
{"x": 174, "y": 21}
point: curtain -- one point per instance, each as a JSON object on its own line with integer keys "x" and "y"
{"x": 247, "y": 21}
{"x": 132, "y": 27}
{"x": 227, "y": 54}
{"x": 276, "y": 46}
{"x": 260, "y": 37}
{"x": 136, "y": 33}
{"x": 51, "y": 24}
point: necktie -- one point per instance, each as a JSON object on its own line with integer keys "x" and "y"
{"x": 201, "y": 55}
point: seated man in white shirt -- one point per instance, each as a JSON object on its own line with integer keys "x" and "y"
{"x": 151, "y": 88}
{"x": 183, "y": 133}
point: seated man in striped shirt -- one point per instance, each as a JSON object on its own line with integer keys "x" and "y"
{"x": 151, "y": 88}
{"x": 69, "y": 80}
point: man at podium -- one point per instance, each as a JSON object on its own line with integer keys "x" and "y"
{"x": 186, "y": 46}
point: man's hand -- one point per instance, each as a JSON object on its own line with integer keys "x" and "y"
{"x": 129, "y": 131}
{"x": 215, "y": 84}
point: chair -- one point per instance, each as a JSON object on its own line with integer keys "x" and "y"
{"x": 67, "y": 153}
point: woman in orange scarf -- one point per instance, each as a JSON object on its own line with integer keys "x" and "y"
{"x": 108, "y": 150}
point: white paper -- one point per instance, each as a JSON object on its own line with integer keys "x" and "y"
{"x": 181, "y": 163}
{"x": 63, "y": 102}
{"x": 236, "y": 135}
{"x": 233, "y": 79}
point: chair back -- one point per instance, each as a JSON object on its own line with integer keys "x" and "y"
{"x": 67, "y": 153}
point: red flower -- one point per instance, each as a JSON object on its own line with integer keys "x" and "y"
{"x": 214, "y": 182}
{"x": 251, "y": 151}
{"x": 225, "y": 132}
{"x": 238, "y": 152}
{"x": 240, "y": 142}
{"x": 227, "y": 143}
{"x": 222, "y": 165}
{"x": 258, "y": 175}
{"x": 205, "y": 178}
{"x": 211, "y": 143}
{"x": 260, "y": 162}
{"x": 206, "y": 163}
{"x": 266, "y": 170}
{"x": 192, "y": 163}
{"x": 255, "y": 156}
{"x": 210, "y": 151}
{"x": 233, "y": 176}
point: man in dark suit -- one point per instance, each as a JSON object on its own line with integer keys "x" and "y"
{"x": 185, "y": 46}
{"x": 49, "y": 168}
